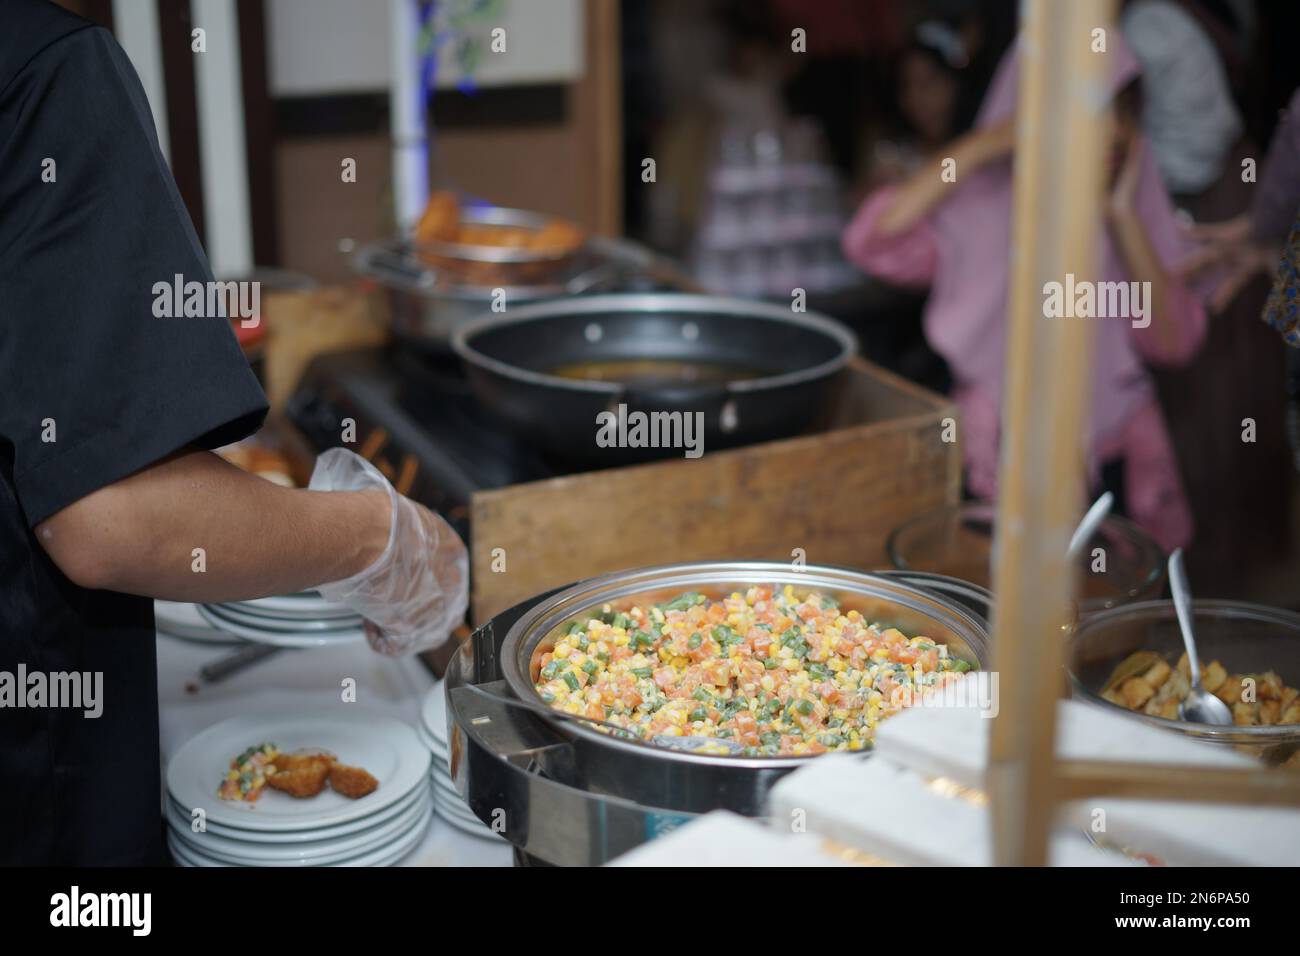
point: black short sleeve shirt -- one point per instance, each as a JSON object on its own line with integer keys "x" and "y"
{"x": 93, "y": 387}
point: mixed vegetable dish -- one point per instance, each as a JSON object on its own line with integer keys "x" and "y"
{"x": 770, "y": 672}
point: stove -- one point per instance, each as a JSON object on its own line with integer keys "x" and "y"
{"x": 414, "y": 416}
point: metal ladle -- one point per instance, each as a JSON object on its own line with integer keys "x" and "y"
{"x": 1089, "y": 525}
{"x": 1200, "y": 707}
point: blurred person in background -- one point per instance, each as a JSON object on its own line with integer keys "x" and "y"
{"x": 955, "y": 239}
{"x": 930, "y": 81}
{"x": 1250, "y": 244}
{"x": 1188, "y": 115}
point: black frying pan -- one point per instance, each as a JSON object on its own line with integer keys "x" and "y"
{"x": 754, "y": 371}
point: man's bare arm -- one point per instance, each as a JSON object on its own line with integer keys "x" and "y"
{"x": 138, "y": 535}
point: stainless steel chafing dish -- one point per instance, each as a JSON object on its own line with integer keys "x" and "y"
{"x": 568, "y": 794}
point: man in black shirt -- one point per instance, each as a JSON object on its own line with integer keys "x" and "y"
{"x": 106, "y": 486}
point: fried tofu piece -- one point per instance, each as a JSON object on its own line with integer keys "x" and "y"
{"x": 1158, "y": 674}
{"x": 1289, "y": 695}
{"x": 1245, "y": 715}
{"x": 1291, "y": 715}
{"x": 1136, "y": 692}
{"x": 1270, "y": 686}
{"x": 352, "y": 782}
{"x": 1114, "y": 697}
{"x": 1169, "y": 709}
{"x": 1164, "y": 703}
{"x": 1213, "y": 676}
{"x": 1230, "y": 690}
{"x": 1269, "y": 712}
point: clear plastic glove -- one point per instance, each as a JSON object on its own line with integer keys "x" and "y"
{"x": 417, "y": 591}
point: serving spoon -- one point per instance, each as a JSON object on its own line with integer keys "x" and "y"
{"x": 1089, "y": 525}
{"x": 1200, "y": 707}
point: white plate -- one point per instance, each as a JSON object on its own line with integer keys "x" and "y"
{"x": 447, "y": 799}
{"x": 305, "y": 602}
{"x": 295, "y": 837}
{"x": 437, "y": 749}
{"x": 462, "y": 821}
{"x": 258, "y": 636}
{"x": 445, "y": 791}
{"x": 433, "y": 713}
{"x": 466, "y": 822}
{"x": 388, "y": 748}
{"x": 320, "y": 611}
{"x": 184, "y": 621}
{"x": 317, "y": 853}
{"x": 379, "y": 856}
{"x": 281, "y": 625}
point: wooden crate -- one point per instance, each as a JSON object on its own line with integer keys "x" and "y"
{"x": 835, "y": 494}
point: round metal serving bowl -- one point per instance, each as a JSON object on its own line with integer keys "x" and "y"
{"x": 1244, "y": 638}
{"x": 693, "y": 782}
{"x": 427, "y": 304}
{"x": 958, "y": 541}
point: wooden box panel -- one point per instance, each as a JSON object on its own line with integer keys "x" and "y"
{"x": 835, "y": 494}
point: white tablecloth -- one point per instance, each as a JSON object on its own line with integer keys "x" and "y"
{"x": 296, "y": 679}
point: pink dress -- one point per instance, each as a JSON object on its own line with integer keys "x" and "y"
{"x": 961, "y": 251}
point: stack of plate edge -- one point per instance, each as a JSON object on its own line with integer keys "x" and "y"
{"x": 447, "y": 802}
{"x": 291, "y": 620}
{"x": 376, "y": 830}
{"x": 381, "y": 839}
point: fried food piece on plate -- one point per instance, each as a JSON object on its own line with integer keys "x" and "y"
{"x": 352, "y": 782}
{"x": 302, "y": 773}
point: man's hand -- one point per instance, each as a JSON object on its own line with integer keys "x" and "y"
{"x": 416, "y": 591}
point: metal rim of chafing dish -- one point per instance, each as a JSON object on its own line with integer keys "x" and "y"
{"x": 913, "y": 611}
{"x": 531, "y": 777}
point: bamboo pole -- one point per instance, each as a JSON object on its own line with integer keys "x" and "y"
{"x": 1058, "y": 191}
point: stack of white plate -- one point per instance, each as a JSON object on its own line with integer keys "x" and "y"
{"x": 446, "y": 800}
{"x": 185, "y": 621}
{"x": 288, "y": 620}
{"x": 279, "y": 830}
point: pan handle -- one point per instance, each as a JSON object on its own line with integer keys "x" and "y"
{"x": 395, "y": 269}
